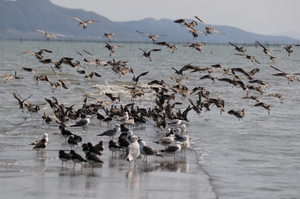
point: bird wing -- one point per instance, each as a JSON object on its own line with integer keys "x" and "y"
{"x": 76, "y": 18}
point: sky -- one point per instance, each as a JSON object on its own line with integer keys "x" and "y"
{"x": 268, "y": 17}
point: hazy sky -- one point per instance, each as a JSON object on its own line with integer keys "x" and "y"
{"x": 258, "y": 16}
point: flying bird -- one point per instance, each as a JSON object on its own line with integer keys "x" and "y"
{"x": 47, "y": 35}
{"x": 108, "y": 35}
{"x": 208, "y": 29}
{"x": 136, "y": 79}
{"x": 84, "y": 24}
{"x": 111, "y": 48}
{"x": 38, "y": 54}
{"x": 237, "y": 113}
{"x": 147, "y": 54}
{"x": 151, "y": 36}
{"x": 240, "y": 49}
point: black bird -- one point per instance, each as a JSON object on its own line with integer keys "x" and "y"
{"x": 76, "y": 158}
{"x": 72, "y": 142}
{"x": 64, "y": 157}
{"x": 64, "y": 132}
{"x": 93, "y": 150}
{"x": 92, "y": 159}
{"x": 100, "y": 146}
{"x": 114, "y": 147}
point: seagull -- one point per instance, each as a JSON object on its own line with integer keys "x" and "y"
{"x": 151, "y": 36}
{"x": 47, "y": 34}
{"x": 76, "y": 158}
{"x": 172, "y": 149}
{"x": 64, "y": 157}
{"x": 237, "y": 113}
{"x": 165, "y": 141}
{"x": 147, "y": 54}
{"x": 83, "y": 122}
{"x": 92, "y": 159}
{"x": 185, "y": 143}
{"x": 84, "y": 24}
{"x": 147, "y": 150}
{"x": 111, "y": 132}
{"x": 133, "y": 150}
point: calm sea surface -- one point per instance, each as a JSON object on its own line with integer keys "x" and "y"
{"x": 256, "y": 157}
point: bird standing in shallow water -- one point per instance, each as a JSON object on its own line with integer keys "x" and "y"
{"x": 76, "y": 158}
{"x": 92, "y": 159}
{"x": 172, "y": 149}
{"x": 64, "y": 157}
{"x": 133, "y": 150}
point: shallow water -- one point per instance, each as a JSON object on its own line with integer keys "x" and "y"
{"x": 256, "y": 157}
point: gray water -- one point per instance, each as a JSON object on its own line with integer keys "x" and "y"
{"x": 256, "y": 157}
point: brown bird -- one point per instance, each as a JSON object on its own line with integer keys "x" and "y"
{"x": 84, "y": 24}
{"x": 208, "y": 29}
{"x": 87, "y": 76}
{"x": 38, "y": 54}
{"x": 240, "y": 49}
{"x": 252, "y": 58}
{"x": 47, "y": 35}
{"x": 288, "y": 49}
{"x": 38, "y": 78}
{"x": 264, "y": 105}
{"x": 265, "y": 50}
{"x": 151, "y": 36}
{"x": 248, "y": 74}
{"x": 237, "y": 113}
{"x": 111, "y": 48}
{"x": 290, "y": 76}
{"x": 108, "y": 35}
{"x": 147, "y": 54}
{"x": 170, "y": 46}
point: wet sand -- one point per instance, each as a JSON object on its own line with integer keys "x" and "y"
{"x": 24, "y": 173}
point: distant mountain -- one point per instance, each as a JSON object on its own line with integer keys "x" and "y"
{"x": 19, "y": 17}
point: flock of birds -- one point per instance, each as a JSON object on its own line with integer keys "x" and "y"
{"x": 165, "y": 114}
